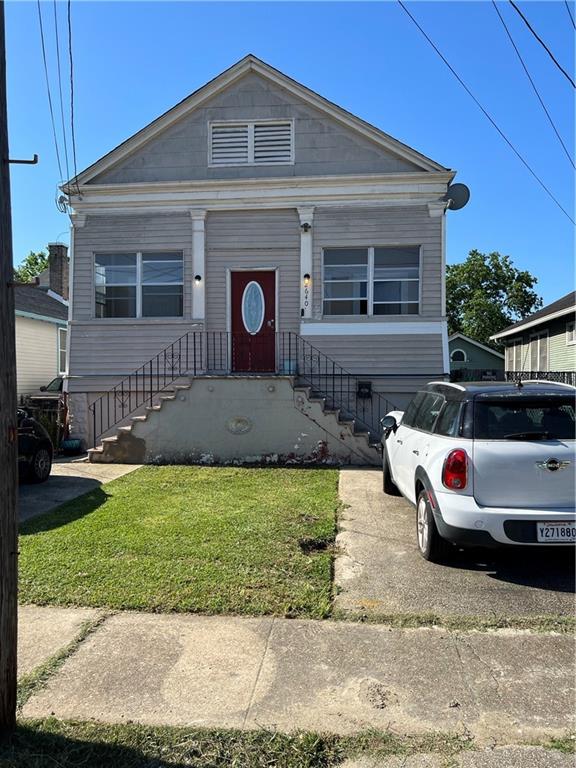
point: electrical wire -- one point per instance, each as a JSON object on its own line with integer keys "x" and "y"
{"x": 570, "y": 13}
{"x": 486, "y": 114}
{"x": 72, "y": 94}
{"x": 60, "y": 92}
{"x": 533, "y": 84}
{"x": 48, "y": 88}
{"x": 542, "y": 43}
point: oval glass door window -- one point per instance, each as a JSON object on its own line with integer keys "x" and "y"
{"x": 253, "y": 307}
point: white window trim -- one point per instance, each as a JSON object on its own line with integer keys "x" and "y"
{"x": 459, "y": 361}
{"x": 138, "y": 285}
{"x": 62, "y": 372}
{"x": 538, "y": 337}
{"x": 570, "y": 333}
{"x": 370, "y": 279}
{"x": 250, "y": 125}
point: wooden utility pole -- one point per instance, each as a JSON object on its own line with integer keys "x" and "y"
{"x": 8, "y": 433}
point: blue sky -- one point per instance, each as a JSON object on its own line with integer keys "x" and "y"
{"x": 134, "y": 60}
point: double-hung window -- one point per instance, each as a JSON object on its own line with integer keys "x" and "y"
{"x": 62, "y": 344}
{"x": 148, "y": 284}
{"x": 514, "y": 360}
{"x": 372, "y": 281}
{"x": 571, "y": 333}
{"x": 539, "y": 351}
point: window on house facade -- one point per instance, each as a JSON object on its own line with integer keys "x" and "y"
{"x": 571, "y": 333}
{"x": 539, "y": 351}
{"x": 62, "y": 346}
{"x": 138, "y": 284}
{"x": 372, "y": 281}
{"x": 458, "y": 356}
{"x": 252, "y": 143}
{"x": 514, "y": 355}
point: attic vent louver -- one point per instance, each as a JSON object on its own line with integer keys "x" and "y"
{"x": 229, "y": 144}
{"x": 251, "y": 143}
{"x": 273, "y": 143}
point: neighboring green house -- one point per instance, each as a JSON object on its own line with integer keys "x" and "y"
{"x": 545, "y": 342}
{"x": 476, "y": 359}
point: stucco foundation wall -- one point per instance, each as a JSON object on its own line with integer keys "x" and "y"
{"x": 245, "y": 420}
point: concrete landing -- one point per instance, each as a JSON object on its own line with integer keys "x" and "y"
{"x": 330, "y": 676}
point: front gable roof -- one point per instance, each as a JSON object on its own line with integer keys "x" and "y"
{"x": 463, "y": 337}
{"x": 246, "y": 65}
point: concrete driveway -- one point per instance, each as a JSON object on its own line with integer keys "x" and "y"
{"x": 380, "y": 571}
{"x": 68, "y": 479}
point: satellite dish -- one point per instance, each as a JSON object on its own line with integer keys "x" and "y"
{"x": 457, "y": 196}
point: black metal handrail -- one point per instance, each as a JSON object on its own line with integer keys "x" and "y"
{"x": 201, "y": 353}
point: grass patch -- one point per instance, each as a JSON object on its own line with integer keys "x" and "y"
{"x": 194, "y": 539}
{"x": 30, "y": 684}
{"x": 40, "y": 743}
{"x": 566, "y": 744}
{"x": 559, "y": 624}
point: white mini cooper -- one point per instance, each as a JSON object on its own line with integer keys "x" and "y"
{"x": 485, "y": 464}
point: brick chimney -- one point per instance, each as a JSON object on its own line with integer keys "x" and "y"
{"x": 58, "y": 268}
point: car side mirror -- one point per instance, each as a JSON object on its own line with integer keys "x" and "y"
{"x": 42, "y": 389}
{"x": 389, "y": 423}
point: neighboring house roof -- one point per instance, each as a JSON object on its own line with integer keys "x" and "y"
{"x": 563, "y": 306}
{"x": 456, "y": 336}
{"x": 30, "y": 301}
{"x": 250, "y": 63}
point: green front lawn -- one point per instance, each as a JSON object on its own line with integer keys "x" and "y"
{"x": 198, "y": 539}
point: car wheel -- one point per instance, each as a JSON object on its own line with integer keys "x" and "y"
{"x": 431, "y": 545}
{"x": 388, "y": 485}
{"x": 40, "y": 466}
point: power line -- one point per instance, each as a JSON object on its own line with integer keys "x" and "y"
{"x": 486, "y": 114}
{"x": 542, "y": 43}
{"x": 60, "y": 91}
{"x": 533, "y": 84}
{"x": 48, "y": 89}
{"x": 570, "y": 13}
{"x": 72, "y": 92}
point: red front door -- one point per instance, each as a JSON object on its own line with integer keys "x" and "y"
{"x": 253, "y": 320}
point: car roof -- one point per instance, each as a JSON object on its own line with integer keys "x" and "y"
{"x": 466, "y": 390}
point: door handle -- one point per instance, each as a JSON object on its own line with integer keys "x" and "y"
{"x": 270, "y": 323}
{"x": 417, "y": 452}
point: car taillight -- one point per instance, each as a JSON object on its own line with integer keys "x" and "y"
{"x": 455, "y": 470}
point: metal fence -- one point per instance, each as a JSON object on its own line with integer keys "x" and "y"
{"x": 486, "y": 374}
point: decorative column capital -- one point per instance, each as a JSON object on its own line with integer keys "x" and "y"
{"x": 197, "y": 215}
{"x": 306, "y": 215}
{"x": 78, "y": 220}
{"x": 437, "y": 209}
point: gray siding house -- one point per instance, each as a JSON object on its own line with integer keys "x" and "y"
{"x": 272, "y": 233}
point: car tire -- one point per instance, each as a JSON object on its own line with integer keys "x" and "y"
{"x": 430, "y": 544}
{"x": 388, "y": 485}
{"x": 40, "y": 466}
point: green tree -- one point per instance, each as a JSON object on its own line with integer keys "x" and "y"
{"x": 486, "y": 293}
{"x": 31, "y": 267}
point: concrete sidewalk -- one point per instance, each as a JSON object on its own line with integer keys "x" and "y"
{"x": 341, "y": 677}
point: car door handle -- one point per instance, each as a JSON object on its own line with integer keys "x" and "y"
{"x": 416, "y": 452}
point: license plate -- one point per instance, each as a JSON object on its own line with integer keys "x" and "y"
{"x": 557, "y": 531}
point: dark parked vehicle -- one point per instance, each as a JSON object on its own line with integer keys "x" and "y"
{"x": 34, "y": 449}
{"x": 52, "y": 391}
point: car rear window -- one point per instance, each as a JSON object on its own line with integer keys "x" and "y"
{"x": 524, "y": 419}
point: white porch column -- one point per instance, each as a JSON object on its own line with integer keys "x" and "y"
{"x": 198, "y": 263}
{"x": 306, "y": 218}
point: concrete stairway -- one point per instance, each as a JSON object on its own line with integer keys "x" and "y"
{"x": 285, "y": 423}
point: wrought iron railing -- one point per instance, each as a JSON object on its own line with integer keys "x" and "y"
{"x": 561, "y": 377}
{"x": 203, "y": 353}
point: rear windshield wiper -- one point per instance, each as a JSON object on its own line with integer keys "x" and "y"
{"x": 527, "y": 436}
